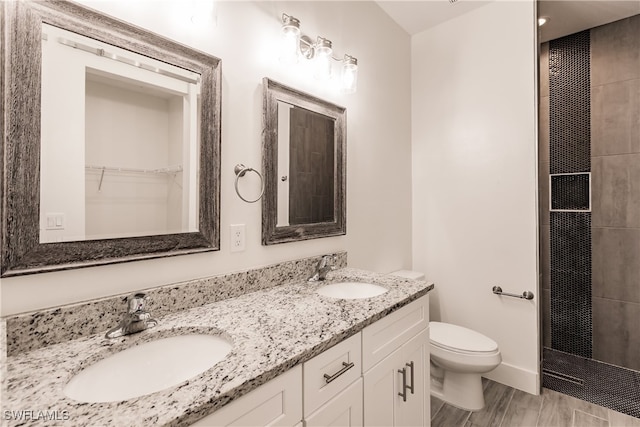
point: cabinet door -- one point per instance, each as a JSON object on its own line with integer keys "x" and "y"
{"x": 415, "y": 359}
{"x": 384, "y": 404}
{"x": 345, "y": 409}
{"x": 381, "y": 386}
{"x": 387, "y": 334}
{"x": 276, "y": 403}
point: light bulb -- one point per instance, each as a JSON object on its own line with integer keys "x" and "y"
{"x": 349, "y": 74}
{"x": 290, "y": 39}
{"x": 323, "y": 59}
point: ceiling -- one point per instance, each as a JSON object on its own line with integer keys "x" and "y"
{"x": 418, "y": 15}
{"x": 566, "y": 16}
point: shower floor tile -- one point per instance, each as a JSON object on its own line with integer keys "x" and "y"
{"x": 606, "y": 385}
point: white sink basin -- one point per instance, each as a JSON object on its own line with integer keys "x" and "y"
{"x": 351, "y": 290}
{"x": 147, "y": 368}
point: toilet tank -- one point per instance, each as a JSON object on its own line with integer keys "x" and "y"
{"x": 408, "y": 274}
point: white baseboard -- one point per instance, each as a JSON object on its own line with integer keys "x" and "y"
{"x": 516, "y": 377}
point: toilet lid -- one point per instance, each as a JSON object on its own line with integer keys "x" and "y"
{"x": 458, "y": 338}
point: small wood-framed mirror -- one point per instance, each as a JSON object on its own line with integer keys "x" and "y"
{"x": 102, "y": 120}
{"x": 304, "y": 166}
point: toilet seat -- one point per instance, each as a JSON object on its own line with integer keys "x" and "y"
{"x": 458, "y": 339}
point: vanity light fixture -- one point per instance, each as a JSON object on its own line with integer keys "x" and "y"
{"x": 349, "y": 76}
{"x": 323, "y": 59}
{"x": 290, "y": 39}
{"x": 295, "y": 45}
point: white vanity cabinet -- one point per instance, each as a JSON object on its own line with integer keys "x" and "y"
{"x": 345, "y": 409}
{"x": 276, "y": 403}
{"x": 396, "y": 368}
{"x": 378, "y": 377}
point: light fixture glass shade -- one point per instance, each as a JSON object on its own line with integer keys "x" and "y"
{"x": 349, "y": 78}
{"x": 322, "y": 60}
{"x": 290, "y": 39}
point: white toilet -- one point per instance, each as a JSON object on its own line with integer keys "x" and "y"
{"x": 459, "y": 357}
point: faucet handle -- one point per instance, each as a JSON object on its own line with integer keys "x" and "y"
{"x": 137, "y": 302}
{"x": 331, "y": 260}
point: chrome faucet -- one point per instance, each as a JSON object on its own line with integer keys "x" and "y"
{"x": 324, "y": 266}
{"x": 136, "y": 319}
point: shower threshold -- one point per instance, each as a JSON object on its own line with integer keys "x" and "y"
{"x": 606, "y": 385}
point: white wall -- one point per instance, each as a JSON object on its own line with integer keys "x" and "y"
{"x": 474, "y": 177}
{"x": 62, "y": 176}
{"x": 378, "y": 138}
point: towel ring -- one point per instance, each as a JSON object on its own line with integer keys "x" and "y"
{"x": 240, "y": 171}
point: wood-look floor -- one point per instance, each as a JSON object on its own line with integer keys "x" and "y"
{"x": 507, "y": 407}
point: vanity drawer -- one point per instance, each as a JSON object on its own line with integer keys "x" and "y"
{"x": 330, "y": 372}
{"x": 381, "y": 338}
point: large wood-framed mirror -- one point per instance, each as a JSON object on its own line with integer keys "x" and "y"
{"x": 111, "y": 141}
{"x": 304, "y": 165}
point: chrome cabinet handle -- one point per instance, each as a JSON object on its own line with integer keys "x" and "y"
{"x": 410, "y": 364}
{"x": 345, "y": 367}
{"x": 403, "y": 371}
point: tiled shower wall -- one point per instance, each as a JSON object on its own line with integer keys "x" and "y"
{"x": 602, "y": 316}
{"x": 569, "y": 153}
{"x": 615, "y": 151}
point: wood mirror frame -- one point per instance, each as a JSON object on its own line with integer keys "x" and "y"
{"x": 20, "y": 90}
{"x": 271, "y": 232}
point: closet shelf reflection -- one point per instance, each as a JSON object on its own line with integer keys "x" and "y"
{"x": 102, "y": 169}
{"x": 168, "y": 169}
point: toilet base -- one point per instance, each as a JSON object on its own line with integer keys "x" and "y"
{"x": 462, "y": 390}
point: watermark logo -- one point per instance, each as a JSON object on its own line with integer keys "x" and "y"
{"x": 36, "y": 415}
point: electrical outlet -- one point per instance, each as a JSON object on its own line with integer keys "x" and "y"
{"x": 237, "y": 233}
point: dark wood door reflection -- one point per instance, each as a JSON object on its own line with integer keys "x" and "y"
{"x": 311, "y": 167}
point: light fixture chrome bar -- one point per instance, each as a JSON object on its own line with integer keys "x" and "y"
{"x": 105, "y": 54}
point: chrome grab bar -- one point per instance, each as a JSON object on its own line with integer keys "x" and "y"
{"x": 525, "y": 295}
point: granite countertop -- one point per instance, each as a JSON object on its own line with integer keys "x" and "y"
{"x": 271, "y": 330}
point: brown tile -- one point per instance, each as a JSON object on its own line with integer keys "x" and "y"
{"x": 581, "y": 419}
{"x": 544, "y": 69}
{"x": 436, "y": 405}
{"x": 615, "y": 267}
{"x": 523, "y": 410}
{"x": 543, "y": 131}
{"x": 616, "y": 191}
{"x": 616, "y": 419}
{"x": 497, "y": 397}
{"x": 616, "y": 332}
{"x": 449, "y": 416}
{"x": 615, "y": 51}
{"x": 546, "y": 317}
{"x": 589, "y": 408}
{"x": 615, "y": 118}
{"x": 556, "y": 410}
